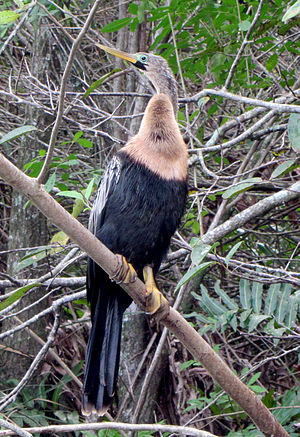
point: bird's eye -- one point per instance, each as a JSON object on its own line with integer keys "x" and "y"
{"x": 143, "y": 58}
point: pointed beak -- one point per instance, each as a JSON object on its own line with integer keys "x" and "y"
{"x": 123, "y": 55}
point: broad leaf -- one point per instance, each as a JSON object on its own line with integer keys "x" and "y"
{"x": 73, "y": 194}
{"x": 199, "y": 252}
{"x": 291, "y": 315}
{"x": 216, "y": 307}
{"x": 225, "y": 298}
{"x": 240, "y": 187}
{"x": 294, "y": 131}
{"x": 255, "y": 320}
{"x": 232, "y": 252}
{"x": 245, "y": 294}
{"x": 17, "y": 133}
{"x": 292, "y": 12}
{"x": 98, "y": 82}
{"x": 17, "y": 295}
{"x": 271, "y": 300}
{"x": 191, "y": 273}
{"x": 284, "y": 167}
{"x": 257, "y": 289}
{"x": 116, "y": 25}
{"x": 7, "y": 17}
{"x": 283, "y": 305}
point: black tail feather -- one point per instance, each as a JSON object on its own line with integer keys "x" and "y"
{"x": 103, "y": 351}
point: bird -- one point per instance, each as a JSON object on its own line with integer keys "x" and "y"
{"x": 138, "y": 207}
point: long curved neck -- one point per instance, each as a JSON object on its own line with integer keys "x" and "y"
{"x": 165, "y": 83}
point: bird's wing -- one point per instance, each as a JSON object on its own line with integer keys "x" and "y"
{"x": 106, "y": 186}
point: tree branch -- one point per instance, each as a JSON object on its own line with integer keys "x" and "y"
{"x": 221, "y": 373}
{"x": 179, "y": 430}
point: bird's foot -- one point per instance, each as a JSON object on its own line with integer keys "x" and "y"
{"x": 156, "y": 303}
{"x": 124, "y": 273}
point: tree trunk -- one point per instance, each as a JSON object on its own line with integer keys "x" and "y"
{"x": 28, "y": 227}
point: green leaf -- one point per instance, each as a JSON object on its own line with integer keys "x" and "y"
{"x": 73, "y": 194}
{"x": 254, "y": 378}
{"x": 232, "y": 252}
{"x": 199, "y": 252}
{"x": 7, "y": 17}
{"x": 17, "y": 133}
{"x": 244, "y": 25}
{"x": 240, "y": 187}
{"x": 97, "y": 83}
{"x": 291, "y": 315}
{"x": 77, "y": 136}
{"x": 294, "y": 131}
{"x": 245, "y": 294}
{"x": 271, "y": 300}
{"x": 191, "y": 273}
{"x": 284, "y": 167}
{"x": 257, "y": 289}
{"x": 225, "y": 298}
{"x": 272, "y": 62}
{"x": 50, "y": 183}
{"x": 116, "y": 25}
{"x": 89, "y": 189}
{"x": 17, "y": 295}
{"x": 85, "y": 143}
{"x": 254, "y": 320}
{"x": 283, "y": 303}
{"x": 216, "y": 307}
{"x": 292, "y": 12}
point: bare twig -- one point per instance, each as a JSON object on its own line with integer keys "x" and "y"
{"x": 243, "y": 46}
{"x": 64, "y": 80}
{"x": 34, "y": 365}
{"x": 14, "y": 428}
{"x": 179, "y": 430}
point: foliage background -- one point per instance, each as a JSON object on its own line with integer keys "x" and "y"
{"x": 245, "y": 300}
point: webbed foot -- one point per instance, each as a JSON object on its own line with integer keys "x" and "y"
{"x": 124, "y": 273}
{"x": 156, "y": 303}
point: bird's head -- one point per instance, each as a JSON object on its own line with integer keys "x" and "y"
{"x": 155, "y": 67}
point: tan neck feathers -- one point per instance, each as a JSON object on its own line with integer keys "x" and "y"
{"x": 159, "y": 144}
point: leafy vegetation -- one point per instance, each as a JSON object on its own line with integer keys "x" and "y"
{"x": 240, "y": 272}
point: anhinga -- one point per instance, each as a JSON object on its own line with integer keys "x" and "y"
{"x": 139, "y": 204}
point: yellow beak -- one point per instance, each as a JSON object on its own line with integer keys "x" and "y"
{"x": 123, "y": 55}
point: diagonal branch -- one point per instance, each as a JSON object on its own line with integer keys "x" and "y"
{"x": 221, "y": 373}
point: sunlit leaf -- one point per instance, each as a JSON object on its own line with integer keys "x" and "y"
{"x": 199, "y": 252}
{"x": 294, "y": 131}
{"x": 283, "y": 168}
{"x": 240, "y": 187}
{"x": 292, "y": 12}
{"x": 255, "y": 320}
{"x": 7, "y": 17}
{"x": 73, "y": 194}
{"x": 17, "y": 133}
{"x": 17, "y": 295}
{"x": 244, "y": 25}
{"x": 50, "y": 183}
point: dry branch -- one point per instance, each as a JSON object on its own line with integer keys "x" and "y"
{"x": 251, "y": 404}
